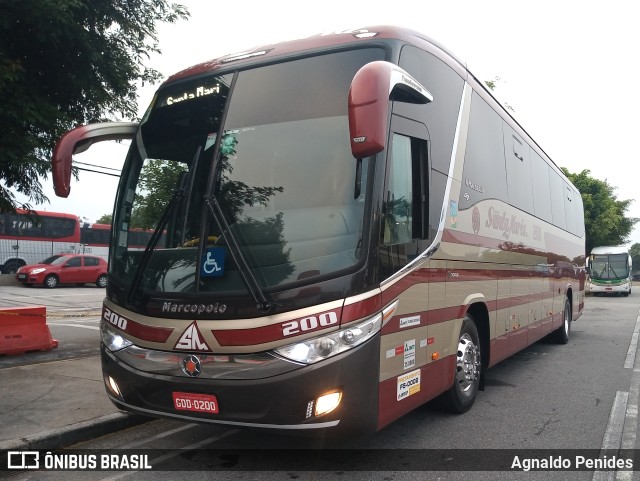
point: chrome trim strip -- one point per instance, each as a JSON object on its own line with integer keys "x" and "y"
{"x": 298, "y": 427}
{"x": 362, "y": 297}
{"x": 459, "y": 141}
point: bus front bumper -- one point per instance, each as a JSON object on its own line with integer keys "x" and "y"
{"x": 609, "y": 288}
{"x": 284, "y": 401}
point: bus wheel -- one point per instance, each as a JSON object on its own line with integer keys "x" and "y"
{"x": 561, "y": 335}
{"x": 11, "y": 267}
{"x": 51, "y": 281}
{"x": 463, "y": 393}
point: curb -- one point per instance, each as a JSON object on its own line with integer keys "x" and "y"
{"x": 8, "y": 280}
{"x": 74, "y": 433}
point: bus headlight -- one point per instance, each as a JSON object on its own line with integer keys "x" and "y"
{"x": 112, "y": 340}
{"x": 319, "y": 348}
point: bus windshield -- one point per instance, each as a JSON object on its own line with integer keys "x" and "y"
{"x": 280, "y": 172}
{"x": 609, "y": 266}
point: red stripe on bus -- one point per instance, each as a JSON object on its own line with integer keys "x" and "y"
{"x": 436, "y": 316}
{"x": 148, "y": 333}
{"x": 358, "y": 310}
{"x": 249, "y": 337}
{"x": 554, "y": 246}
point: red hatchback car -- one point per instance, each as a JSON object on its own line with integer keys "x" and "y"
{"x": 76, "y": 269}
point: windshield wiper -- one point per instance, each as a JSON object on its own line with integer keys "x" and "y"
{"x": 249, "y": 279}
{"x": 177, "y": 196}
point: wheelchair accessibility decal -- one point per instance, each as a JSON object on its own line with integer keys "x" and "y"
{"x": 212, "y": 264}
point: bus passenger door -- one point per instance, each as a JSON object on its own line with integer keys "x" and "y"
{"x": 403, "y": 237}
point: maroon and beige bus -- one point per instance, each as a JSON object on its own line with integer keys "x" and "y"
{"x": 347, "y": 226}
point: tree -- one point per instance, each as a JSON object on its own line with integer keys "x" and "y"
{"x": 158, "y": 180}
{"x": 491, "y": 85}
{"x": 64, "y": 63}
{"x": 634, "y": 252}
{"x": 604, "y": 215}
{"x": 105, "y": 219}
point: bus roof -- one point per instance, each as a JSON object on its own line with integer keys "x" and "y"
{"x": 45, "y": 213}
{"x": 609, "y": 250}
{"x": 266, "y": 53}
{"x": 344, "y": 39}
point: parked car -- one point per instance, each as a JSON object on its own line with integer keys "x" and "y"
{"x": 76, "y": 269}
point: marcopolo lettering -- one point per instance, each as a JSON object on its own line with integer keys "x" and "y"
{"x": 216, "y": 308}
{"x": 412, "y": 83}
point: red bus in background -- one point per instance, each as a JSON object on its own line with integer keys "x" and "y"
{"x": 28, "y": 237}
{"x": 94, "y": 239}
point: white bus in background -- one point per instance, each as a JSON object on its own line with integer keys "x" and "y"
{"x": 609, "y": 270}
{"x": 29, "y": 237}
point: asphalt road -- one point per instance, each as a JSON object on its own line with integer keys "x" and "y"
{"x": 581, "y": 396}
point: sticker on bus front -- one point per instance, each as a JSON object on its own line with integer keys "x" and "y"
{"x": 212, "y": 262}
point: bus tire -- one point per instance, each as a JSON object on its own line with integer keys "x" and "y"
{"x": 461, "y": 396}
{"x": 561, "y": 335}
{"x": 51, "y": 281}
{"x": 102, "y": 281}
{"x": 12, "y": 266}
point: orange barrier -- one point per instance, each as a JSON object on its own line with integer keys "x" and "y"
{"x": 24, "y": 329}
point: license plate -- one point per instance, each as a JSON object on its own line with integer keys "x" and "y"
{"x": 200, "y": 403}
{"x": 22, "y": 276}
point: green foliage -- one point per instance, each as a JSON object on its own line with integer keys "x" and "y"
{"x": 604, "y": 215}
{"x": 105, "y": 219}
{"x": 64, "y": 63}
{"x": 491, "y": 84}
{"x": 158, "y": 180}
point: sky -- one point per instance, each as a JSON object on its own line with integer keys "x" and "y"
{"x": 567, "y": 68}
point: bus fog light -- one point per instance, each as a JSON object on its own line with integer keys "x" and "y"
{"x": 328, "y": 402}
{"x": 113, "y": 387}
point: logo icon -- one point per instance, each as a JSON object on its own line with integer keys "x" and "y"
{"x": 191, "y": 340}
{"x": 23, "y": 460}
{"x": 191, "y": 366}
{"x": 475, "y": 220}
{"x": 212, "y": 263}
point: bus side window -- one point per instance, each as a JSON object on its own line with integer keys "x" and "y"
{"x": 405, "y": 199}
{"x": 405, "y": 219}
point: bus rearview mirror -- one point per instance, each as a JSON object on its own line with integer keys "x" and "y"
{"x": 372, "y": 87}
{"x": 80, "y": 139}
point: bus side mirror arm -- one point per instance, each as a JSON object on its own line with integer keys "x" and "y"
{"x": 80, "y": 139}
{"x": 372, "y": 87}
